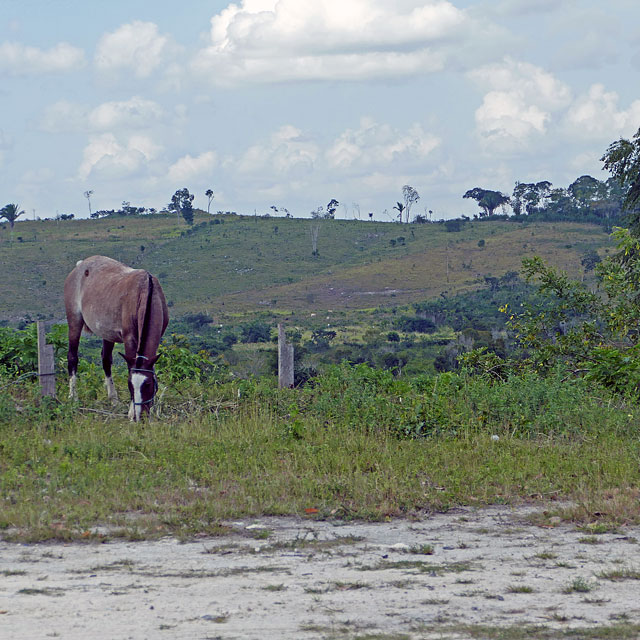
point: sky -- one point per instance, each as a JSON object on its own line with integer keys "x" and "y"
{"x": 291, "y": 103}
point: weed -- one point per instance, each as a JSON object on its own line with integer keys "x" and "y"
{"x": 422, "y": 549}
{"x": 580, "y": 585}
{"x": 275, "y": 587}
{"x": 50, "y": 591}
{"x": 620, "y": 574}
{"x": 520, "y": 588}
{"x": 13, "y": 572}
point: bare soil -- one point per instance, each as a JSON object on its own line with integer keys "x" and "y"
{"x": 442, "y": 577}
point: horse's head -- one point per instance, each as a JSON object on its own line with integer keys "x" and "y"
{"x": 143, "y": 385}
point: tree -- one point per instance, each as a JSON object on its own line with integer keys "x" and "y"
{"x": 181, "y": 203}
{"x": 411, "y": 196}
{"x": 530, "y": 197}
{"x": 10, "y": 212}
{"x": 209, "y": 194}
{"x": 487, "y": 200}
{"x": 332, "y": 207}
{"x": 87, "y": 195}
{"x": 330, "y": 212}
{"x": 622, "y": 159}
{"x": 399, "y": 207}
{"x": 586, "y": 190}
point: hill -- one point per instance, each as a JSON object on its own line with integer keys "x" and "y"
{"x": 228, "y": 264}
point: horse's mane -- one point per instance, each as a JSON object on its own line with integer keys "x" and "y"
{"x": 147, "y": 314}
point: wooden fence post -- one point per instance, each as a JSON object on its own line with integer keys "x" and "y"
{"x": 46, "y": 364}
{"x": 285, "y": 360}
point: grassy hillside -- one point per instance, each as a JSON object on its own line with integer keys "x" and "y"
{"x": 235, "y": 264}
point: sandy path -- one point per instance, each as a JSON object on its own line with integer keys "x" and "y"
{"x": 325, "y": 580}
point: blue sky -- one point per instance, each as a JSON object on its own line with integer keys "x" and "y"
{"x": 294, "y": 102}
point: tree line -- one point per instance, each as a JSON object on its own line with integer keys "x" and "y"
{"x": 585, "y": 199}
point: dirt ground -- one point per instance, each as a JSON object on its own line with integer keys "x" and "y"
{"x": 299, "y": 578}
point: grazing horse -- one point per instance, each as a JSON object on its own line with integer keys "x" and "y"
{"x": 118, "y": 304}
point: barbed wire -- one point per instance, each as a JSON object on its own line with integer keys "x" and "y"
{"x": 29, "y": 374}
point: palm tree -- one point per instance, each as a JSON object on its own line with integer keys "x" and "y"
{"x": 399, "y": 208}
{"x": 87, "y": 195}
{"x": 10, "y": 212}
{"x": 209, "y": 194}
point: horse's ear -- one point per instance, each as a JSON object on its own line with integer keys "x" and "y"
{"x": 129, "y": 361}
{"x": 153, "y": 360}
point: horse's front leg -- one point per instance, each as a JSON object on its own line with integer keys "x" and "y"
{"x": 75, "y": 329}
{"x": 107, "y": 359}
{"x": 130, "y": 351}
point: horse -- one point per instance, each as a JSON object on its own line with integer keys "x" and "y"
{"x": 118, "y": 304}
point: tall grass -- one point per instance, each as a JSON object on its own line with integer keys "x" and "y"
{"x": 359, "y": 444}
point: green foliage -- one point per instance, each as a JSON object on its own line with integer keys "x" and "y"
{"x": 594, "y": 335}
{"x": 415, "y": 323}
{"x": 256, "y": 331}
{"x": 359, "y": 397}
{"x": 487, "y": 200}
{"x": 11, "y": 212}
{"x": 178, "y": 363}
{"x": 19, "y": 348}
{"x": 320, "y": 340}
{"x": 454, "y": 225}
{"x": 182, "y": 203}
{"x": 622, "y": 158}
{"x": 197, "y": 320}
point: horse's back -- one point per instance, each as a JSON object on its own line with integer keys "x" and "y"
{"x": 97, "y": 293}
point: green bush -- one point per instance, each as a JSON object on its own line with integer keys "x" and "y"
{"x": 256, "y": 331}
{"x": 19, "y": 348}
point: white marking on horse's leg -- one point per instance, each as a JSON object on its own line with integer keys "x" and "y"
{"x": 136, "y": 382}
{"x": 112, "y": 394}
{"x": 73, "y": 394}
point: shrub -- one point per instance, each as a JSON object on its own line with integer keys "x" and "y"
{"x": 257, "y": 331}
{"x": 415, "y": 323}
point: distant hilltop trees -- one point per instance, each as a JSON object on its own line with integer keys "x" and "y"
{"x": 587, "y": 199}
{"x": 125, "y": 210}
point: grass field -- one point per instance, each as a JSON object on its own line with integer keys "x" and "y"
{"x": 343, "y": 448}
{"x": 228, "y": 264}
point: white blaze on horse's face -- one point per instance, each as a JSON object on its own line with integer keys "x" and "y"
{"x": 137, "y": 380}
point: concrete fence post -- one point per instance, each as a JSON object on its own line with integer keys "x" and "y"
{"x": 285, "y": 360}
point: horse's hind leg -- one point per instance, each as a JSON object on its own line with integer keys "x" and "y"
{"x": 75, "y": 330}
{"x": 107, "y": 352}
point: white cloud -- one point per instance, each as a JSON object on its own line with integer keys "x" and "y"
{"x": 18, "y": 59}
{"x": 191, "y": 168}
{"x": 596, "y": 115}
{"x": 108, "y": 156}
{"x": 136, "y": 46}
{"x": 374, "y": 144}
{"x": 136, "y": 113}
{"x": 287, "y": 152}
{"x": 279, "y": 40}
{"x": 520, "y": 102}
